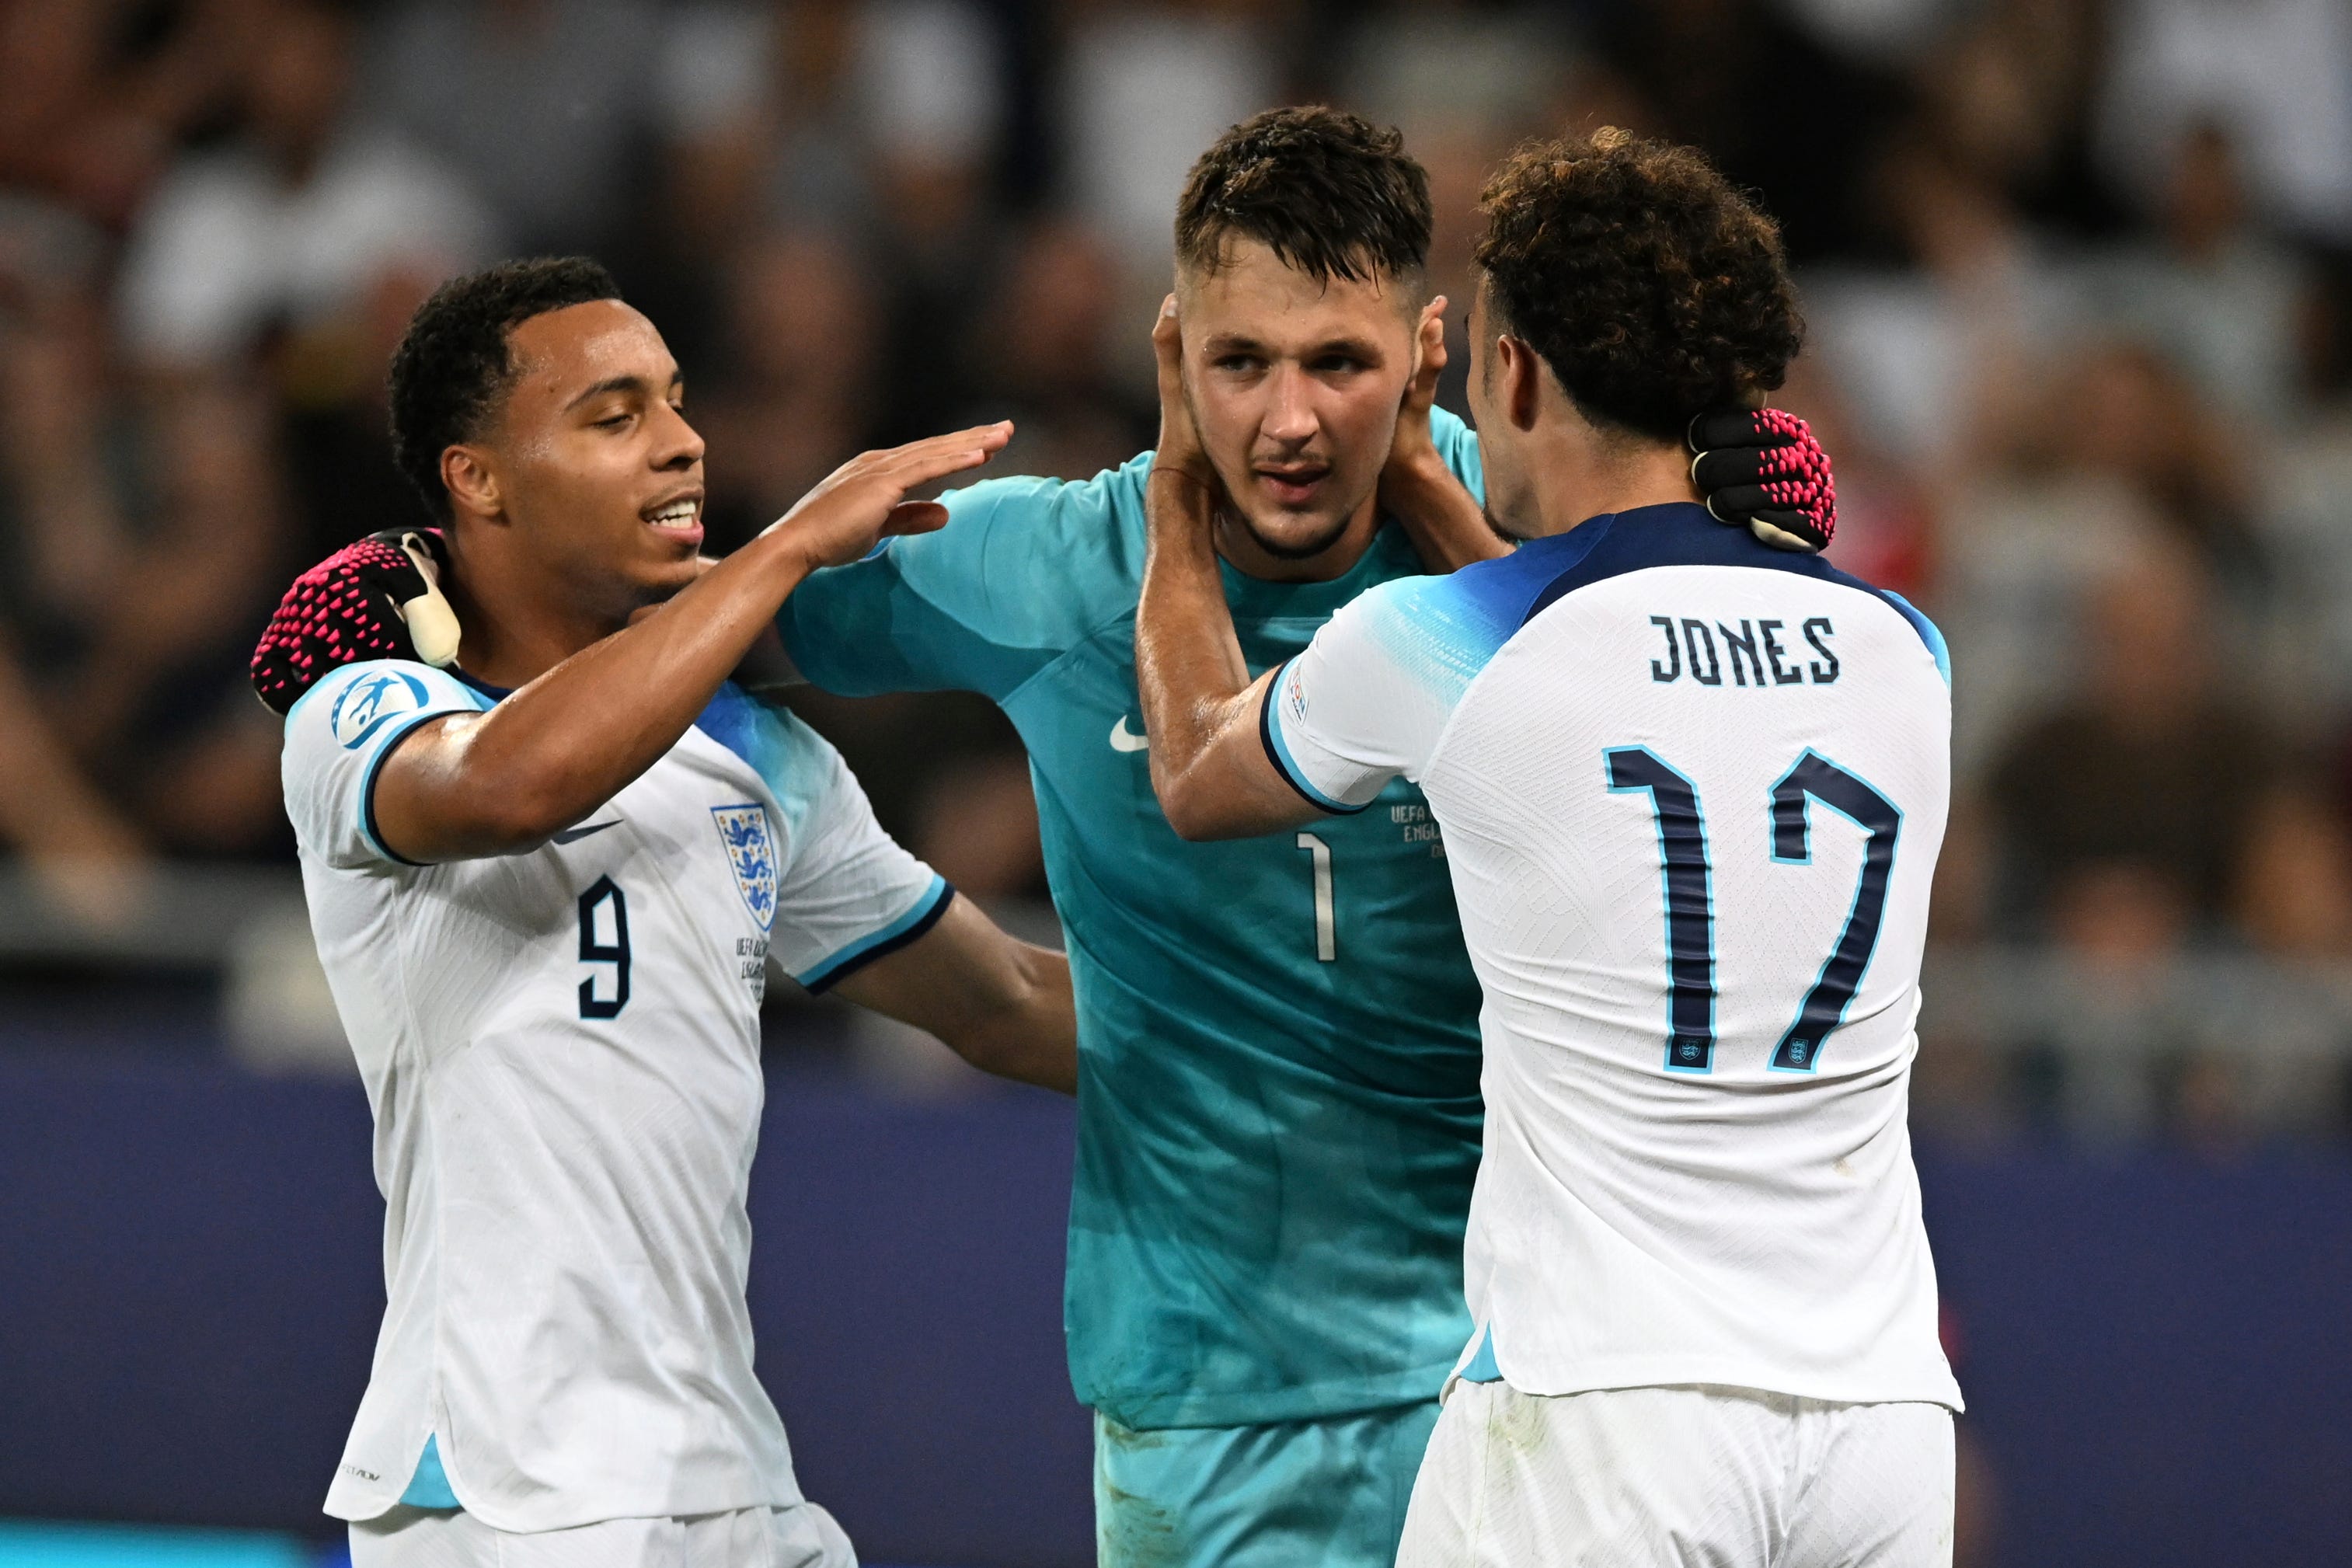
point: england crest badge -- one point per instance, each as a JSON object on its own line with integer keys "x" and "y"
{"x": 751, "y": 856}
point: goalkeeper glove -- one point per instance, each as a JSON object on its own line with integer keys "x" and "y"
{"x": 377, "y": 598}
{"x": 1764, "y": 470}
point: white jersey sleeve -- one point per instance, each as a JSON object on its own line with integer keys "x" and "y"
{"x": 337, "y": 739}
{"x": 846, "y": 893}
{"x": 1371, "y": 694}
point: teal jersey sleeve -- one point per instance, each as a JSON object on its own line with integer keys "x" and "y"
{"x": 1457, "y": 444}
{"x": 1016, "y": 578}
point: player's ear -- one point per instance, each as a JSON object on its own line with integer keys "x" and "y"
{"x": 472, "y": 481}
{"x": 1429, "y": 335}
{"x": 1521, "y": 373}
{"x": 1433, "y": 323}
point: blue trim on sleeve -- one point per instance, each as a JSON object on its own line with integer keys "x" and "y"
{"x": 907, "y": 929}
{"x": 368, "y": 828}
{"x": 429, "y": 1486}
{"x": 1269, "y": 733}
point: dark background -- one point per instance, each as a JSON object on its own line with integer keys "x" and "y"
{"x": 2076, "y": 275}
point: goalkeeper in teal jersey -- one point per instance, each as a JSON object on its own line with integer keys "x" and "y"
{"x": 1278, "y": 1106}
{"x": 1278, "y": 1112}
{"x": 1278, "y": 1109}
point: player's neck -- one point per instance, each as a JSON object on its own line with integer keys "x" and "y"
{"x": 517, "y": 628}
{"x": 1241, "y": 549}
{"x": 1576, "y": 476}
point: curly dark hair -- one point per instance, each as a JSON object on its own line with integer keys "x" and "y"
{"x": 452, "y": 367}
{"x": 1653, "y": 290}
{"x": 1331, "y": 194}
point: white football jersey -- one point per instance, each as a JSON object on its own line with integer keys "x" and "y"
{"x": 562, "y": 1049}
{"x": 1692, "y": 790}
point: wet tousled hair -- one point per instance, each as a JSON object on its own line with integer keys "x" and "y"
{"x": 1653, "y": 290}
{"x": 452, "y": 367}
{"x": 1333, "y": 195}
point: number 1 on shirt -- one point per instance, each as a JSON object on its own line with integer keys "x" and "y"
{"x": 1327, "y": 927}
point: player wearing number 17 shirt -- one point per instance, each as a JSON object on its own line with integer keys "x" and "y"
{"x": 548, "y": 884}
{"x": 1704, "y": 1307}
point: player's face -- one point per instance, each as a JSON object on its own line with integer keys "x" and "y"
{"x": 1295, "y": 386}
{"x": 598, "y": 467}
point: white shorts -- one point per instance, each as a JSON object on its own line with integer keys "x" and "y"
{"x": 801, "y": 1537}
{"x": 1680, "y": 1478}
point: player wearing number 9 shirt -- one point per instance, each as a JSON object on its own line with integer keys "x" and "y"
{"x": 548, "y": 914}
{"x": 1704, "y": 1309}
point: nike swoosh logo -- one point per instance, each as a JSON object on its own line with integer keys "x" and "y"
{"x": 1123, "y": 739}
{"x": 574, "y": 835}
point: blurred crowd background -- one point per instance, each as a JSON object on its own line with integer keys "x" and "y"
{"x": 2079, "y": 281}
{"x": 2078, "y": 272}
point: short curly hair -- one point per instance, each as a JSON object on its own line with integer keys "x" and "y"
{"x": 452, "y": 367}
{"x": 1653, "y": 290}
{"x": 1332, "y": 195}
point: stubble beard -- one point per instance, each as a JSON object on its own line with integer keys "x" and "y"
{"x": 1330, "y": 536}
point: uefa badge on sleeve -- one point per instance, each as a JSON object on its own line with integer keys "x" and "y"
{"x": 371, "y": 701}
{"x": 751, "y": 856}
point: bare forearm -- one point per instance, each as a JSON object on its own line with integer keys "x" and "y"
{"x": 1004, "y": 1005}
{"x": 1188, "y": 661}
{"x": 572, "y": 739}
{"x": 1443, "y": 520}
{"x": 1032, "y": 1037}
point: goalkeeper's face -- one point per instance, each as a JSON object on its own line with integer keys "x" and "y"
{"x": 1294, "y": 383}
{"x": 591, "y": 465}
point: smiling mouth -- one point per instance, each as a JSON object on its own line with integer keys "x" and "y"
{"x": 680, "y": 516}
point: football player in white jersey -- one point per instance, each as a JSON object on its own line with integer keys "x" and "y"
{"x": 548, "y": 884}
{"x": 1704, "y": 1307}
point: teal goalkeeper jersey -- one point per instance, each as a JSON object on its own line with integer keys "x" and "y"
{"x": 1278, "y": 1110}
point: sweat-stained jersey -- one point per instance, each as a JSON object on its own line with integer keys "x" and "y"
{"x": 1693, "y": 790}
{"x": 562, "y": 1050}
{"x": 1278, "y": 1102}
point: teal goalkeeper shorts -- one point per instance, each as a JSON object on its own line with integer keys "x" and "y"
{"x": 1327, "y": 1492}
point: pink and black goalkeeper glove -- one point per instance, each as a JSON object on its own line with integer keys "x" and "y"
{"x": 378, "y": 598}
{"x": 1764, "y": 470}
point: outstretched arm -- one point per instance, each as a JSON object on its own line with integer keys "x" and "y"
{"x": 1201, "y": 708}
{"x": 492, "y": 783}
{"x": 1001, "y": 1003}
